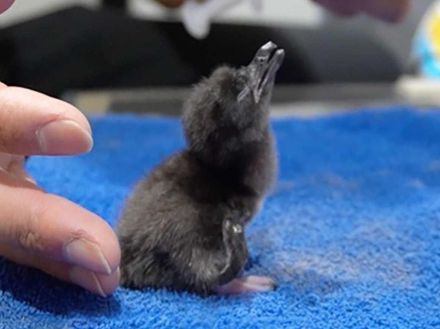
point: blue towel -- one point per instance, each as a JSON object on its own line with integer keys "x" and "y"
{"x": 351, "y": 232}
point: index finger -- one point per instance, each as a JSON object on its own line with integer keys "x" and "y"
{"x": 33, "y": 123}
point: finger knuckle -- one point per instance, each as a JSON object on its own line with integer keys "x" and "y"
{"x": 29, "y": 239}
{"x": 29, "y": 235}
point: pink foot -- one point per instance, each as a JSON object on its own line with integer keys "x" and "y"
{"x": 247, "y": 284}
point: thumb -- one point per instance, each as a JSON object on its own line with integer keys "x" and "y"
{"x": 53, "y": 229}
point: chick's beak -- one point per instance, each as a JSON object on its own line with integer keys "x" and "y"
{"x": 263, "y": 68}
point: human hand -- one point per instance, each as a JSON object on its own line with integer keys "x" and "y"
{"x": 39, "y": 229}
{"x": 387, "y": 10}
{"x": 5, "y": 4}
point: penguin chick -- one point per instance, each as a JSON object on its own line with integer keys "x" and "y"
{"x": 183, "y": 228}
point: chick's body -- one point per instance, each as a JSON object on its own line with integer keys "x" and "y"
{"x": 183, "y": 228}
{"x": 186, "y": 227}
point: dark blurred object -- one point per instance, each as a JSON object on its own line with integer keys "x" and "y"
{"x": 310, "y": 99}
{"x": 119, "y": 4}
{"x": 78, "y": 48}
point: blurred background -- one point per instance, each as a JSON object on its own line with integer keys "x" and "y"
{"x": 135, "y": 55}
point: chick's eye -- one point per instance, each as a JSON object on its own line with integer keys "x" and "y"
{"x": 240, "y": 77}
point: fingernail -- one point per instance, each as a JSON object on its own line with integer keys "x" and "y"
{"x": 64, "y": 137}
{"x": 109, "y": 282}
{"x": 87, "y": 280}
{"x": 88, "y": 255}
{"x": 118, "y": 273}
